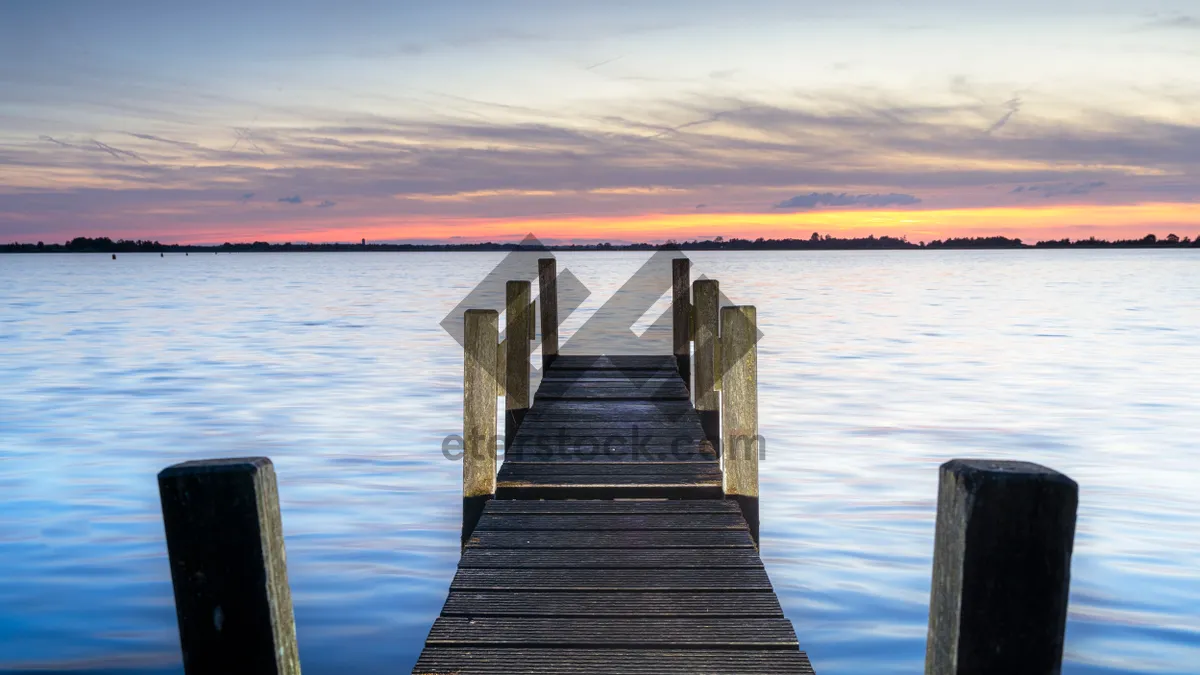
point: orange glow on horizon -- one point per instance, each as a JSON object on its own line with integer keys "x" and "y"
{"x": 1028, "y": 223}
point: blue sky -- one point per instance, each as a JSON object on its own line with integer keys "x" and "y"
{"x": 416, "y": 120}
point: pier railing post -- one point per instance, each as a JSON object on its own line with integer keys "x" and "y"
{"x": 517, "y": 335}
{"x": 706, "y": 300}
{"x": 681, "y": 313}
{"x": 1001, "y": 568}
{"x": 480, "y": 382}
{"x": 739, "y": 409}
{"x": 548, "y": 292}
{"x": 228, "y": 567}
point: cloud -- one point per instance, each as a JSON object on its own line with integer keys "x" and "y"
{"x": 815, "y": 199}
{"x": 1061, "y": 189}
{"x": 743, "y": 155}
{"x": 247, "y": 196}
{"x": 1175, "y": 22}
{"x": 95, "y": 145}
{"x": 160, "y": 139}
{"x": 603, "y": 63}
{"x": 1014, "y": 106}
{"x": 702, "y": 206}
{"x": 326, "y": 204}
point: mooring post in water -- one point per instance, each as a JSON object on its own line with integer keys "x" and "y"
{"x": 517, "y": 335}
{"x": 1001, "y": 568}
{"x": 739, "y": 409}
{"x": 480, "y": 382}
{"x": 228, "y": 567}
{"x": 548, "y": 292}
{"x": 681, "y": 313}
{"x": 705, "y": 308}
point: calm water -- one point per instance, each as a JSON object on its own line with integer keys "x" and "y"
{"x": 875, "y": 368}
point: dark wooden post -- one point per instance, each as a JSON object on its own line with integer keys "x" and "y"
{"x": 480, "y": 384}
{"x": 517, "y": 335}
{"x": 548, "y": 292}
{"x": 1001, "y": 568}
{"x": 739, "y": 409}
{"x": 681, "y": 313}
{"x": 706, "y": 302}
{"x": 228, "y": 567}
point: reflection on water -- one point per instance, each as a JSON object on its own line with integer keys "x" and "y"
{"x": 874, "y": 368}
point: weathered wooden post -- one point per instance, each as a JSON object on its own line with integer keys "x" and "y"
{"x": 228, "y": 567}
{"x": 480, "y": 383}
{"x": 706, "y": 303}
{"x": 517, "y": 335}
{"x": 548, "y": 292}
{"x": 681, "y": 313}
{"x": 739, "y": 409}
{"x": 1001, "y": 568}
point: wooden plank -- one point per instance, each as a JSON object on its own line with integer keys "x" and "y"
{"x": 608, "y": 558}
{"x": 581, "y": 522}
{"x": 620, "y": 362}
{"x": 608, "y": 374}
{"x": 622, "y": 538}
{"x": 611, "y": 455}
{"x": 611, "y": 395}
{"x": 611, "y": 603}
{"x": 506, "y": 661}
{"x": 612, "y": 381}
{"x": 583, "y": 489}
{"x": 623, "y": 633}
{"x": 612, "y": 580}
{"x": 634, "y": 506}
{"x": 686, "y": 469}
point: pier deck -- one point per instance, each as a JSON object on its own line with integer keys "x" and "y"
{"x": 609, "y": 546}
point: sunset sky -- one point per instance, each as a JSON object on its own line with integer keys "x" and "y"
{"x": 302, "y": 121}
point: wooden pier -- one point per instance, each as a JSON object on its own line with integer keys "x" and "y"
{"x": 620, "y": 534}
{"x": 605, "y": 542}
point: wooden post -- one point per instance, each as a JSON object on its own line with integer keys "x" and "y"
{"x": 228, "y": 567}
{"x": 1001, "y": 568}
{"x": 548, "y": 292}
{"x": 516, "y": 333}
{"x": 480, "y": 382}
{"x": 706, "y": 303}
{"x": 681, "y": 310}
{"x": 501, "y": 365}
{"x": 739, "y": 409}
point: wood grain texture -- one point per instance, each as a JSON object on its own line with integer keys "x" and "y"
{"x": 681, "y": 310}
{"x": 479, "y": 402}
{"x": 616, "y": 633}
{"x": 517, "y": 335}
{"x": 548, "y": 295}
{"x": 612, "y": 603}
{"x": 566, "y": 661}
{"x": 706, "y": 297}
{"x": 228, "y": 567}
{"x": 1001, "y": 568}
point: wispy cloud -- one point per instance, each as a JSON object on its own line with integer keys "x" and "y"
{"x": 1060, "y": 189}
{"x": 326, "y": 204}
{"x": 816, "y": 199}
{"x": 295, "y": 199}
{"x": 95, "y": 145}
{"x": 1177, "y": 21}
{"x": 1014, "y": 106}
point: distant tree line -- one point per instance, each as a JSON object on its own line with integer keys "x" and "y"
{"x": 815, "y": 242}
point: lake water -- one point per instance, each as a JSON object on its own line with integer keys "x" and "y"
{"x": 875, "y": 367}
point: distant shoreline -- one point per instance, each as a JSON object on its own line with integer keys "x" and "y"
{"x": 814, "y": 243}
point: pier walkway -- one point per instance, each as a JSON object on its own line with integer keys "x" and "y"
{"x": 609, "y": 546}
